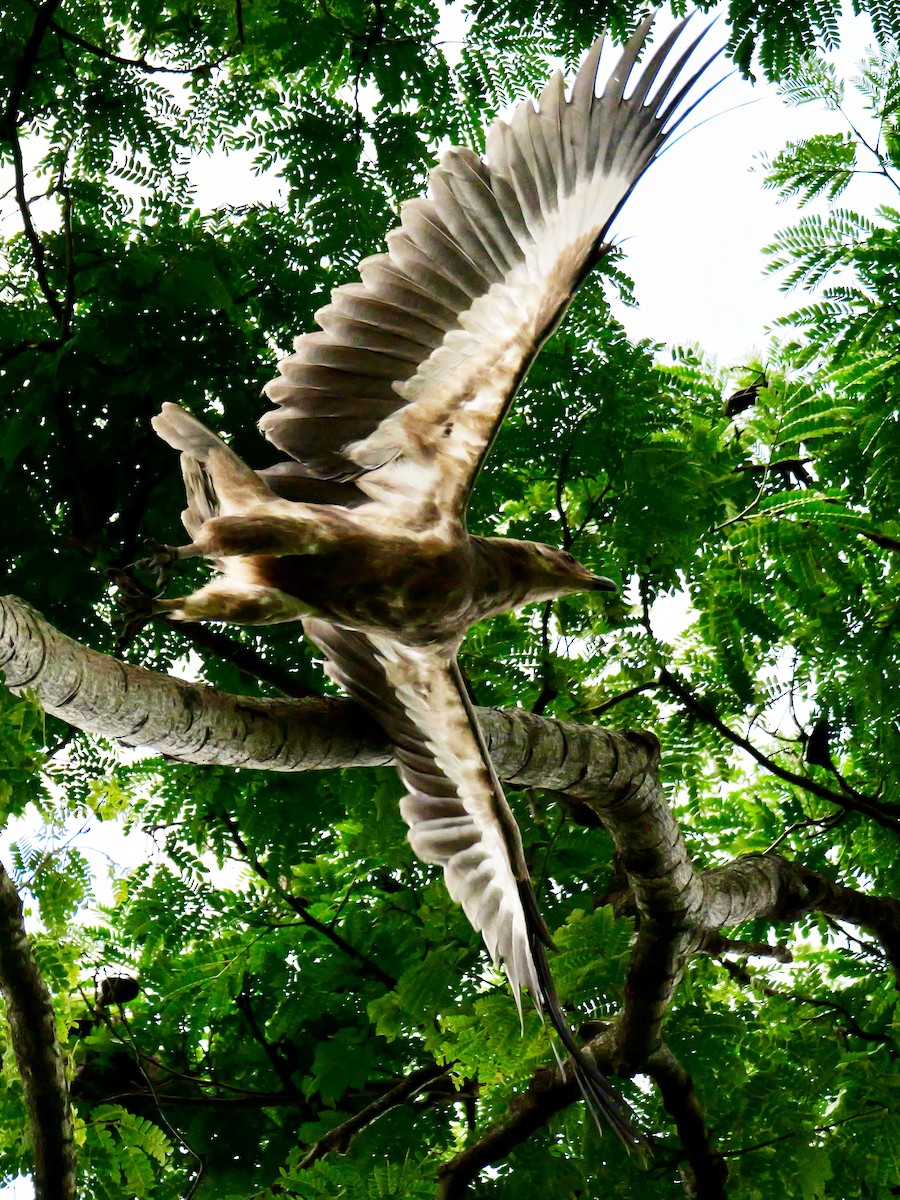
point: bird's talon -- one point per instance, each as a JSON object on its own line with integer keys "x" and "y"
{"x": 160, "y": 563}
{"x": 137, "y": 607}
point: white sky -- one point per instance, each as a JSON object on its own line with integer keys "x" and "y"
{"x": 693, "y": 233}
{"x": 694, "y": 229}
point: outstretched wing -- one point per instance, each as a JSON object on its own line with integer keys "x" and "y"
{"x": 415, "y": 367}
{"x": 458, "y": 815}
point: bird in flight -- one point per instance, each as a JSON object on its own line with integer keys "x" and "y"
{"x": 386, "y": 415}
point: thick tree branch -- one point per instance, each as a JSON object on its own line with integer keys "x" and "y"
{"x": 32, "y": 1024}
{"x": 767, "y": 886}
{"x": 614, "y": 773}
{"x": 198, "y": 724}
{"x": 181, "y": 720}
{"x": 707, "y": 1167}
{"x": 654, "y": 971}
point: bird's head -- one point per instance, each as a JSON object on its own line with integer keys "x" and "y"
{"x": 564, "y": 569}
{"x": 517, "y": 573}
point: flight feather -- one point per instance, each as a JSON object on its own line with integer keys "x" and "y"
{"x": 405, "y": 386}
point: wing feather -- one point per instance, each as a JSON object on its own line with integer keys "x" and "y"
{"x": 458, "y": 817}
{"x": 430, "y": 347}
{"x": 457, "y": 814}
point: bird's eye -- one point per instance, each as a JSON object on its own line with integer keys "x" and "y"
{"x": 566, "y": 556}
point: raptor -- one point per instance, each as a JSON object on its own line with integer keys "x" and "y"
{"x": 385, "y": 416}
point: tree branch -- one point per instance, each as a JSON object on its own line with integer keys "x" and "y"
{"x": 31, "y": 233}
{"x": 614, "y": 774}
{"x": 760, "y": 886}
{"x": 339, "y": 1138}
{"x": 140, "y": 63}
{"x": 708, "y": 1169}
{"x": 741, "y": 975}
{"x": 282, "y": 1071}
{"x": 886, "y": 815}
{"x": 42, "y": 20}
{"x": 32, "y": 1024}
{"x": 657, "y": 963}
{"x": 628, "y": 694}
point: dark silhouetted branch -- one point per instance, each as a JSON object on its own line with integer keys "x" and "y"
{"x": 886, "y": 815}
{"x": 338, "y": 1139}
{"x": 141, "y": 63}
{"x": 708, "y": 1169}
{"x": 32, "y": 1025}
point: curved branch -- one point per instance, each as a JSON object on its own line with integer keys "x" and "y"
{"x": 32, "y": 1024}
{"x": 183, "y": 720}
{"x": 198, "y": 724}
{"x": 612, "y": 773}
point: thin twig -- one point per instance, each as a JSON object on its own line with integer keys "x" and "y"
{"x": 339, "y": 1138}
{"x": 140, "y": 63}
{"x": 295, "y": 903}
{"x": 600, "y": 709}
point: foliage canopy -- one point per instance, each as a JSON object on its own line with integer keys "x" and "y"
{"x": 295, "y": 962}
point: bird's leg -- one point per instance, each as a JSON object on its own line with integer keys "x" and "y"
{"x": 240, "y": 603}
{"x": 136, "y": 608}
{"x": 163, "y": 559}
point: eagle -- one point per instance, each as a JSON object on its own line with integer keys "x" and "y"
{"x": 385, "y": 415}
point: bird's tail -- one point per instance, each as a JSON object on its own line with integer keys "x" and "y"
{"x": 601, "y": 1098}
{"x": 216, "y": 480}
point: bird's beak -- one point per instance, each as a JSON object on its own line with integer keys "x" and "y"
{"x": 599, "y": 583}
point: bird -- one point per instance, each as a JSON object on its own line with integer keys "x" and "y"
{"x": 385, "y": 416}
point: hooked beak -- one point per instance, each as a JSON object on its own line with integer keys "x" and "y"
{"x": 601, "y": 584}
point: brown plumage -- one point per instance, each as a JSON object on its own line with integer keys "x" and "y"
{"x": 387, "y": 414}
